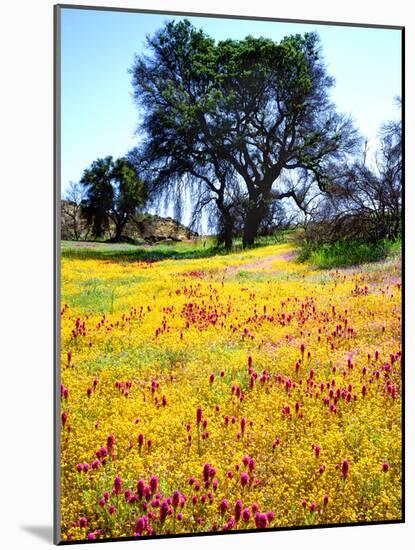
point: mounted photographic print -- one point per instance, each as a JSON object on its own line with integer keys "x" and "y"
{"x": 229, "y": 225}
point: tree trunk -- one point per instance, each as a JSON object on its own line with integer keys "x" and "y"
{"x": 226, "y": 223}
{"x": 228, "y": 241}
{"x": 226, "y": 229}
{"x": 225, "y": 235}
{"x": 253, "y": 220}
{"x": 119, "y": 226}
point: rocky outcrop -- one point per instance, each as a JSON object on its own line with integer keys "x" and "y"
{"x": 142, "y": 227}
{"x": 153, "y": 228}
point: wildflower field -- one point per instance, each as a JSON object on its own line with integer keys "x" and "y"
{"x": 229, "y": 392}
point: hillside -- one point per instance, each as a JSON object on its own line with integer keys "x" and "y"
{"x": 142, "y": 227}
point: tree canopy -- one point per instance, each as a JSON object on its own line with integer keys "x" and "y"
{"x": 113, "y": 192}
{"x": 233, "y": 118}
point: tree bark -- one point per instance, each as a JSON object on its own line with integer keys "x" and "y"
{"x": 259, "y": 197}
{"x": 119, "y": 227}
{"x": 253, "y": 220}
{"x": 226, "y": 230}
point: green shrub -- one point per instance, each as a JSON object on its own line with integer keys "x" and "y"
{"x": 345, "y": 253}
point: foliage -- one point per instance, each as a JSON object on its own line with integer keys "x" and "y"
{"x": 113, "y": 191}
{"x": 344, "y": 252}
{"x": 365, "y": 202}
{"x": 229, "y": 118}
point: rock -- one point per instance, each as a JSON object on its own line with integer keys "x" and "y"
{"x": 141, "y": 227}
{"x": 153, "y": 228}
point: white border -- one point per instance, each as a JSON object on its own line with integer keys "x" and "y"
{"x": 26, "y": 310}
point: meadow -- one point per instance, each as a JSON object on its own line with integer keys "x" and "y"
{"x": 206, "y": 392}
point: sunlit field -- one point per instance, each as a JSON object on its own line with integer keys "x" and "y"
{"x": 227, "y": 392}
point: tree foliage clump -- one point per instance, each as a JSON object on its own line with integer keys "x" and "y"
{"x": 366, "y": 202}
{"x": 231, "y": 119}
{"x": 112, "y": 194}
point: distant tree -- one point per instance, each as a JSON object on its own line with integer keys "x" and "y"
{"x": 251, "y": 109}
{"x": 99, "y": 194}
{"x": 130, "y": 193}
{"x": 74, "y": 196}
{"x": 113, "y": 192}
{"x": 389, "y": 165}
{"x": 366, "y": 201}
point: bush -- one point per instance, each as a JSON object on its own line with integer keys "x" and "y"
{"x": 344, "y": 253}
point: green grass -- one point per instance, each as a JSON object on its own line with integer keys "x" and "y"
{"x": 325, "y": 256}
{"x": 202, "y": 247}
{"x": 395, "y": 249}
{"x": 99, "y": 296}
{"x": 345, "y": 253}
{"x": 94, "y": 299}
{"x": 199, "y": 248}
{"x": 284, "y": 236}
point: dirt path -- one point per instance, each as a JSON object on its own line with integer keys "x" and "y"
{"x": 262, "y": 264}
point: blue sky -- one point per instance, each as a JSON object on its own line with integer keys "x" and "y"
{"x": 99, "y": 117}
